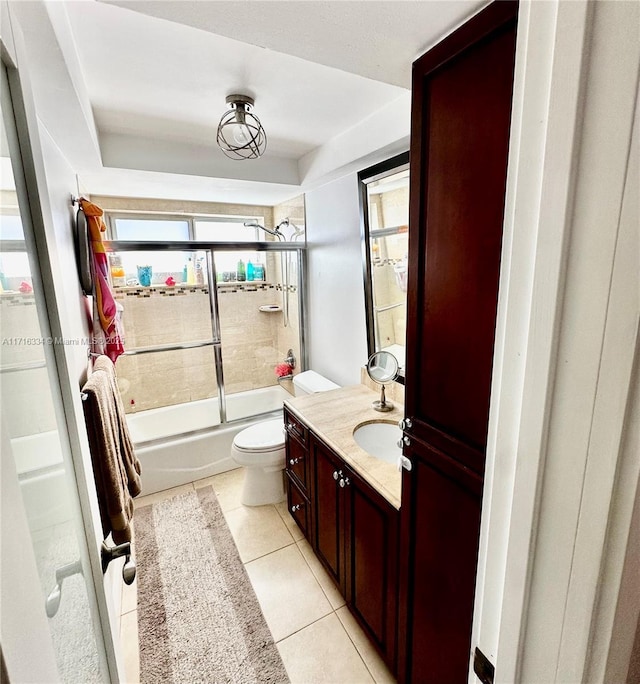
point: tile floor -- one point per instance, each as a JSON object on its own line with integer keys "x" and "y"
{"x": 319, "y": 640}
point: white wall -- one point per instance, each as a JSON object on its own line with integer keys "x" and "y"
{"x": 337, "y": 335}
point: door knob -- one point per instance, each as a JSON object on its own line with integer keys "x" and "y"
{"x": 129, "y": 571}
{"x": 55, "y": 595}
{"x": 404, "y": 462}
{"x": 109, "y": 553}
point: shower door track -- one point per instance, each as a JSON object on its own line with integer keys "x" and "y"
{"x": 209, "y": 248}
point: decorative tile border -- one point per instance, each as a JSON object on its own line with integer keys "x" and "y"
{"x": 180, "y": 290}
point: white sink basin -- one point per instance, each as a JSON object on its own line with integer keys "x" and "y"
{"x": 380, "y": 440}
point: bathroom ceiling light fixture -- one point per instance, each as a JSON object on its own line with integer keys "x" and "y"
{"x": 240, "y": 133}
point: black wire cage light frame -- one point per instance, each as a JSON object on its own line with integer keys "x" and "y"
{"x": 240, "y": 134}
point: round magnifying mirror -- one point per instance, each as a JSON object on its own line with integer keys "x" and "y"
{"x": 382, "y": 367}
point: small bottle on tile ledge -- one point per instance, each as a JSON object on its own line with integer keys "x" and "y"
{"x": 240, "y": 271}
{"x": 250, "y": 271}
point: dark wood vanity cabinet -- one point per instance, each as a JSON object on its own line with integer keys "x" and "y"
{"x": 353, "y": 531}
{"x": 355, "y": 536}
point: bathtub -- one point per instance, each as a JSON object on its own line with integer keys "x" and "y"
{"x": 186, "y": 442}
{"x": 42, "y": 479}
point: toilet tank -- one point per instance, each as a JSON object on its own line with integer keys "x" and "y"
{"x": 310, "y": 382}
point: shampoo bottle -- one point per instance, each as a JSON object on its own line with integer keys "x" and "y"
{"x": 240, "y": 271}
{"x": 250, "y": 271}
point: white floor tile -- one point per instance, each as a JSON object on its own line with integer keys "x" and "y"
{"x": 130, "y": 649}
{"x": 322, "y": 653}
{"x": 227, "y": 486}
{"x": 141, "y": 501}
{"x": 288, "y": 593}
{"x": 376, "y": 666}
{"x": 257, "y": 530}
{"x": 291, "y": 524}
{"x": 328, "y": 585}
{"x": 129, "y": 597}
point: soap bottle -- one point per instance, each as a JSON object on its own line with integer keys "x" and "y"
{"x": 258, "y": 272}
{"x": 191, "y": 274}
{"x": 250, "y": 271}
{"x": 240, "y": 271}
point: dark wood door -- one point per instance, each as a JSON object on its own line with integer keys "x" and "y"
{"x": 371, "y": 525}
{"x": 461, "y": 112}
{"x": 444, "y": 498}
{"x": 327, "y": 510}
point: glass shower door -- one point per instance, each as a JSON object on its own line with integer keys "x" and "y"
{"x": 259, "y": 352}
{"x": 47, "y": 588}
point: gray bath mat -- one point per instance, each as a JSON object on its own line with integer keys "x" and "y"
{"x": 198, "y": 617}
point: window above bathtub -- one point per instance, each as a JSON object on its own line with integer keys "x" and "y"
{"x": 145, "y": 228}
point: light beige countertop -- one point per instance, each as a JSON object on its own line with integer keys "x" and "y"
{"x": 334, "y": 415}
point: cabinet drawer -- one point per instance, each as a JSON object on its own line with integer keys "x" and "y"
{"x": 297, "y": 462}
{"x": 298, "y": 505}
{"x": 295, "y": 428}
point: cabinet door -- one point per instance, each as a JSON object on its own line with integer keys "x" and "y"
{"x": 371, "y": 526}
{"x": 298, "y": 505}
{"x": 296, "y": 464}
{"x": 327, "y": 510}
{"x": 442, "y": 498}
{"x": 459, "y": 145}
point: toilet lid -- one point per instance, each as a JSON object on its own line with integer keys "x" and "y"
{"x": 261, "y": 437}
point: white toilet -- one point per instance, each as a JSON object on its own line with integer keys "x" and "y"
{"x": 260, "y": 448}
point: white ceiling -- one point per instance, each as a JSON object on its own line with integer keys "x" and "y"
{"x": 148, "y": 80}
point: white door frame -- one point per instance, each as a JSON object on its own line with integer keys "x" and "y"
{"x": 569, "y": 296}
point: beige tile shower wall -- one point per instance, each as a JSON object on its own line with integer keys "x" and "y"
{"x": 163, "y": 315}
{"x": 250, "y": 347}
{"x": 166, "y": 378}
{"x": 252, "y": 342}
{"x": 289, "y": 337}
{"x": 292, "y": 209}
{"x": 141, "y": 205}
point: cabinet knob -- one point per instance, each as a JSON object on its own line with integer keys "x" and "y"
{"x": 344, "y": 482}
{"x": 337, "y": 474}
{"x": 294, "y": 461}
{"x": 296, "y": 507}
{"x": 403, "y": 441}
{"x": 405, "y": 424}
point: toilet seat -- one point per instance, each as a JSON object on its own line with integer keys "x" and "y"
{"x": 261, "y": 438}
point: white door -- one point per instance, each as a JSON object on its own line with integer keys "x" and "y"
{"x": 50, "y": 626}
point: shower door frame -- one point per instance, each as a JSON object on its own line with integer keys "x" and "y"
{"x": 210, "y": 249}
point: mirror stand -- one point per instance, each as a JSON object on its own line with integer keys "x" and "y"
{"x": 382, "y": 404}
